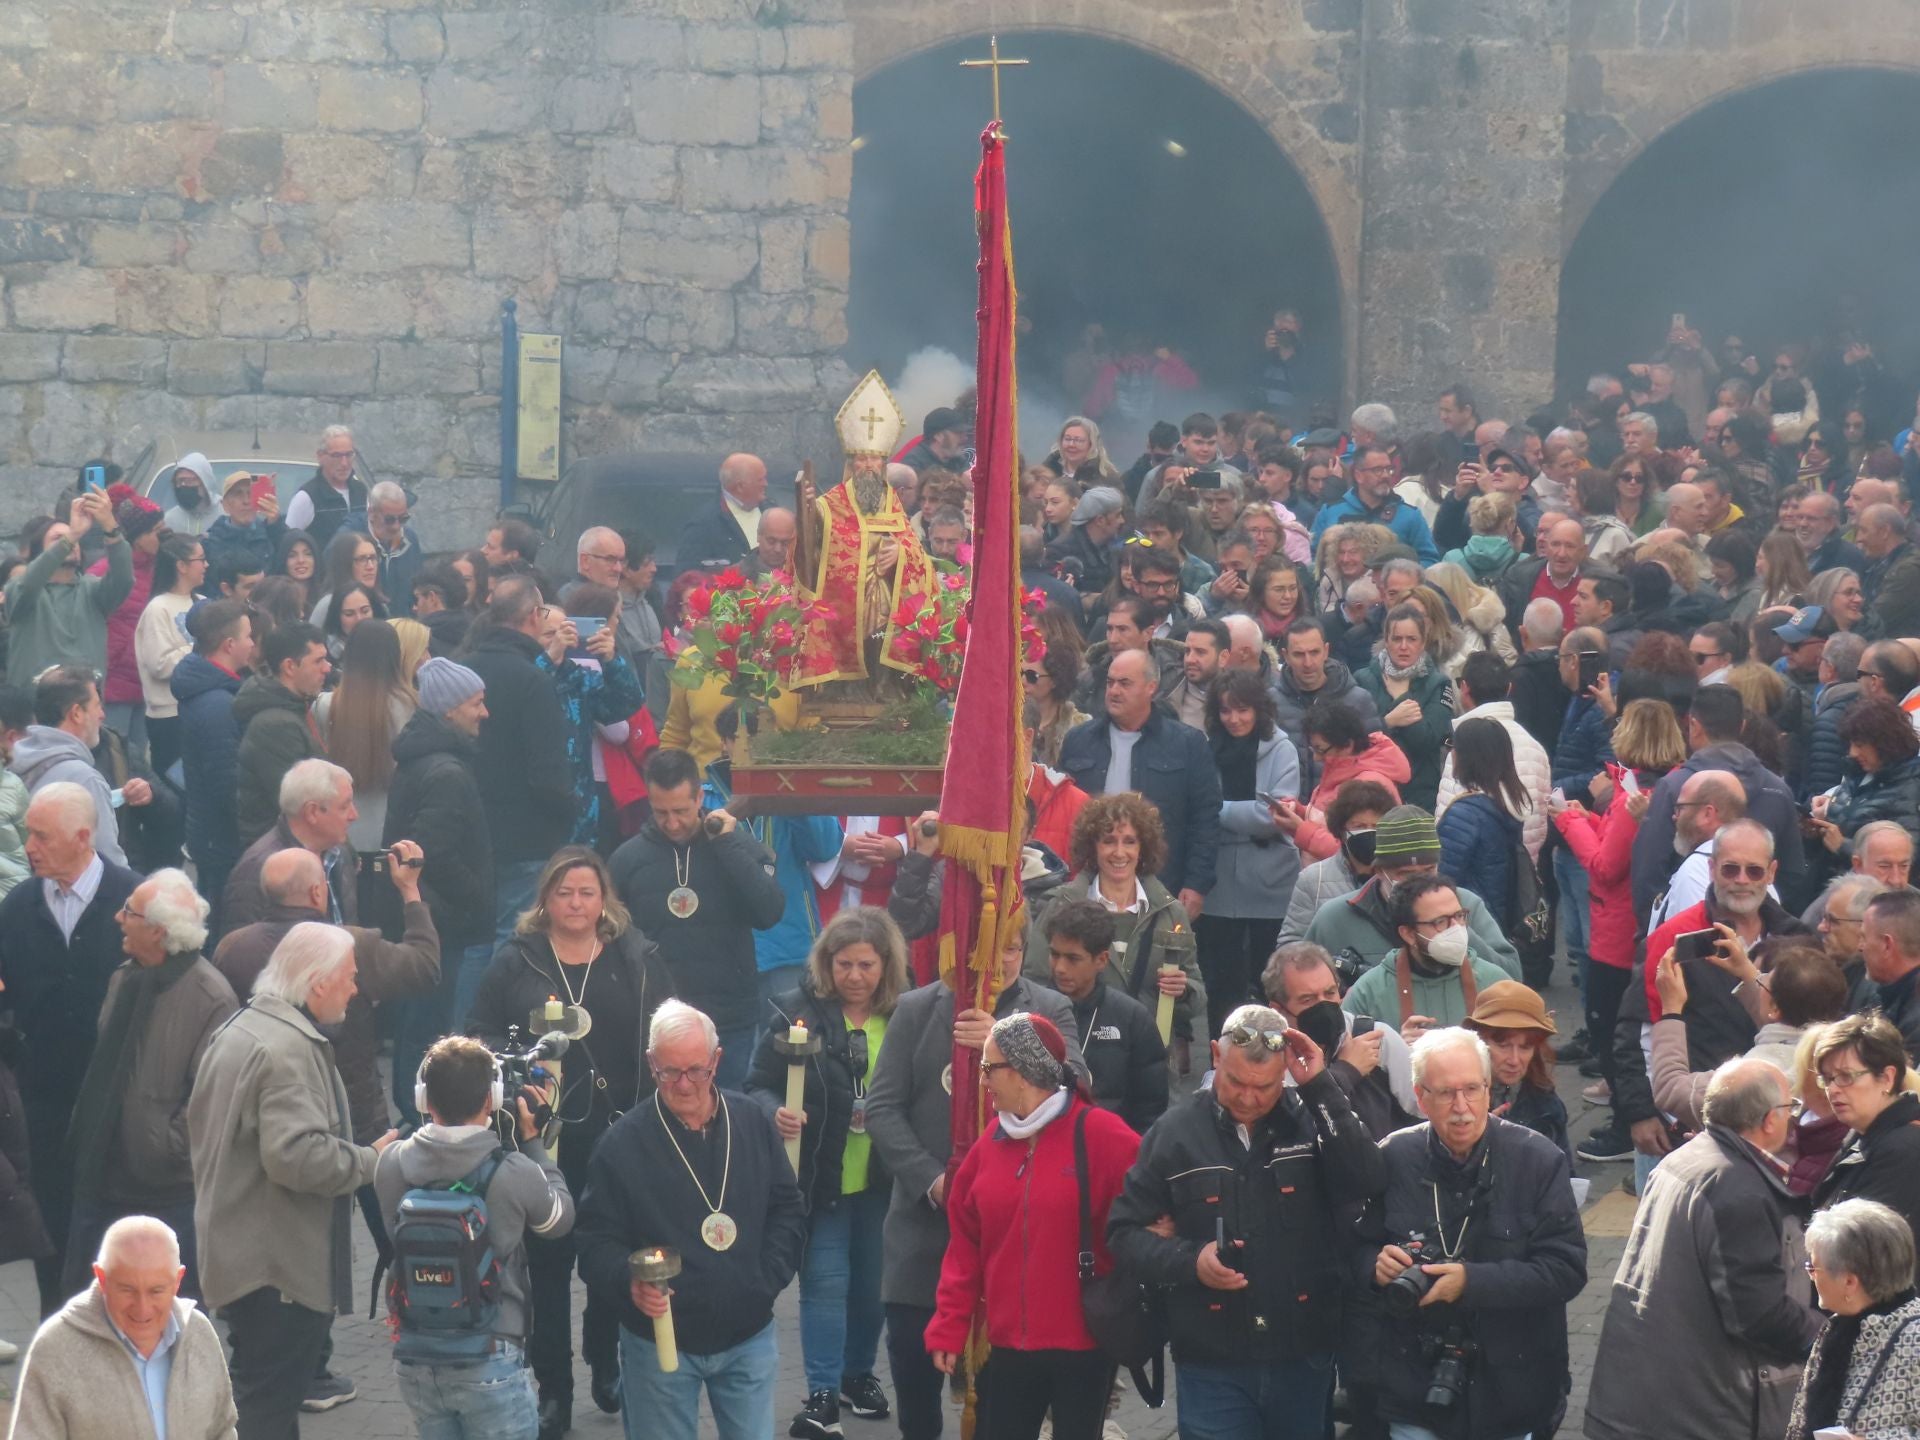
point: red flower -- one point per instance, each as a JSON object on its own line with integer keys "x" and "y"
{"x": 700, "y": 602}
{"x": 731, "y": 632}
{"x": 730, "y": 579}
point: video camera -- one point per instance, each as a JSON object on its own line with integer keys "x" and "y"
{"x": 522, "y": 1068}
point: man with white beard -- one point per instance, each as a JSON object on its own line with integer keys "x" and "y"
{"x": 1707, "y": 801}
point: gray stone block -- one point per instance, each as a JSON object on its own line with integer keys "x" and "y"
{"x": 628, "y": 170}
{"x": 264, "y": 96}
{"x": 819, "y": 47}
{"x": 783, "y": 254}
{"x": 388, "y": 101}
{"x": 22, "y": 241}
{"x": 509, "y": 242}
{"x": 262, "y": 305}
{"x": 488, "y": 35}
{"x": 29, "y": 490}
{"x": 427, "y": 368}
{"x": 406, "y": 434}
{"x": 338, "y": 169}
{"x": 587, "y": 104}
{"x": 215, "y": 367}
{"x": 319, "y": 367}
{"x": 155, "y": 89}
{"x": 463, "y": 106}
{"x": 417, "y": 38}
{"x": 358, "y": 305}
{"x": 765, "y": 178}
{"x": 112, "y": 246}
{"x": 461, "y": 307}
{"x": 74, "y": 425}
{"x": 64, "y": 297}
{"x": 312, "y": 35}
{"x": 277, "y": 414}
{"x": 222, "y": 249}
{"x": 662, "y": 247}
{"x": 376, "y": 236}
{"x": 741, "y": 384}
{"x": 687, "y": 109}
{"x": 586, "y": 242}
{"x": 141, "y": 415}
{"x": 25, "y": 357}
{"x": 163, "y": 301}
{"x": 242, "y": 164}
{"x": 120, "y": 358}
{"x": 641, "y": 42}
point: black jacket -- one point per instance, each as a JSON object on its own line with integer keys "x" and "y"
{"x": 527, "y": 782}
{"x": 1539, "y": 699}
{"x": 434, "y": 801}
{"x": 1092, "y": 565}
{"x": 210, "y": 756}
{"x": 1882, "y": 1163}
{"x": 829, "y": 1094}
{"x": 1125, "y": 1054}
{"x": 712, "y": 534}
{"x": 521, "y": 978}
{"x": 1284, "y": 1198}
{"x": 1526, "y": 1257}
{"x": 710, "y": 953}
{"x": 1900, "y": 1003}
{"x": 639, "y": 1193}
{"x": 1173, "y": 768}
{"x": 55, "y": 988}
{"x": 276, "y": 733}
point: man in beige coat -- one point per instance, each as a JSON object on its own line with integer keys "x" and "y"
{"x": 127, "y": 1354}
{"x": 274, "y": 1170}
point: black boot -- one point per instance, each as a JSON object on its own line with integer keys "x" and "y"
{"x": 556, "y": 1418}
{"x": 606, "y": 1388}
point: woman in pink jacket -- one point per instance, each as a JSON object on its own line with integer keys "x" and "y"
{"x": 1346, "y": 751}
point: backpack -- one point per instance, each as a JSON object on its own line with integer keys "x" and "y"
{"x": 444, "y": 1294}
{"x": 1529, "y": 919}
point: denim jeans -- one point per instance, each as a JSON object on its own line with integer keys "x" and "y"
{"x": 655, "y": 1405}
{"x": 1286, "y": 1400}
{"x": 1576, "y": 900}
{"x": 1400, "y": 1430}
{"x": 489, "y": 1401}
{"x": 736, "y": 1057}
{"x": 472, "y": 969}
{"x": 514, "y": 884}
{"x": 840, "y": 1310}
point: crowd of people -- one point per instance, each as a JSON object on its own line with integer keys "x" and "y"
{"x": 312, "y": 844}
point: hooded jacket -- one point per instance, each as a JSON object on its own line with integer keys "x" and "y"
{"x": 1477, "y": 840}
{"x": 1711, "y": 1272}
{"x": 276, "y": 733}
{"x": 79, "y": 1383}
{"x": 1358, "y": 923}
{"x": 1337, "y": 688}
{"x": 121, "y": 684}
{"x": 210, "y": 758}
{"x": 434, "y": 801}
{"x": 183, "y": 521}
{"x": 64, "y": 624}
{"x": 44, "y": 756}
{"x": 527, "y": 1195}
{"x": 1484, "y": 557}
{"x": 1826, "y": 754}
{"x": 1768, "y": 800}
{"x": 528, "y": 790}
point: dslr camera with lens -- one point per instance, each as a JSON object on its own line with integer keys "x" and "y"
{"x": 1406, "y": 1290}
{"x": 1452, "y": 1353}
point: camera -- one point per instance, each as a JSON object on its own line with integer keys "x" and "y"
{"x": 1452, "y": 1353}
{"x": 1348, "y": 966}
{"x": 521, "y": 1068}
{"x": 1406, "y": 1290}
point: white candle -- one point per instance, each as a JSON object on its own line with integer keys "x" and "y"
{"x": 796, "y": 1085}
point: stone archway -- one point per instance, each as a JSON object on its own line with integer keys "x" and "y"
{"x": 1296, "y": 78}
{"x": 1776, "y": 209}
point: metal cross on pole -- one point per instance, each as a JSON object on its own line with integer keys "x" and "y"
{"x": 992, "y": 63}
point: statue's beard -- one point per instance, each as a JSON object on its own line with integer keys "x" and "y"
{"x": 869, "y": 492}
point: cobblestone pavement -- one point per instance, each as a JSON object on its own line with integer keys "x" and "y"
{"x": 362, "y": 1350}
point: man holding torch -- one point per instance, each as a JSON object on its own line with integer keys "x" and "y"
{"x": 699, "y": 1175}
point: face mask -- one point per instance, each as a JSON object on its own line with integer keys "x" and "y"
{"x": 1449, "y": 947}
{"x": 1359, "y": 846}
{"x": 1325, "y": 1023}
{"x": 189, "y": 497}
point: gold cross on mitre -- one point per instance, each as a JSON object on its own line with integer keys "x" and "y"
{"x": 993, "y": 62}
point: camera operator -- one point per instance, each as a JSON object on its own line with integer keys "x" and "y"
{"x": 1480, "y": 1251}
{"x": 1253, "y": 1174}
{"x": 524, "y": 1192}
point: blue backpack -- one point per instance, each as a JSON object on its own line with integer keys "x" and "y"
{"x": 444, "y": 1291}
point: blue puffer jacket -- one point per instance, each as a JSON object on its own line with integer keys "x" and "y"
{"x": 1584, "y": 748}
{"x": 1477, "y": 839}
{"x": 210, "y": 757}
{"x": 1826, "y": 751}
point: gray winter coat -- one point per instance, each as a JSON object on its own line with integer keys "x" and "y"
{"x": 910, "y": 1117}
{"x": 44, "y": 755}
{"x": 1319, "y": 882}
{"x": 1257, "y": 864}
{"x": 274, "y": 1163}
{"x": 1711, "y": 1278}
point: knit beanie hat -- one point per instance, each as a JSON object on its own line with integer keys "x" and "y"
{"x": 445, "y": 684}
{"x": 1035, "y": 1049}
{"x": 134, "y": 514}
{"x": 1406, "y": 834}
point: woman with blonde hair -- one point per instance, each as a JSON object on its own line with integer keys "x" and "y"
{"x": 576, "y": 945}
{"x": 1345, "y": 552}
{"x": 1782, "y": 568}
{"x": 1490, "y": 551}
{"x": 856, "y": 971}
{"x": 1483, "y": 617}
{"x": 1080, "y": 454}
{"x": 414, "y": 640}
{"x": 359, "y": 720}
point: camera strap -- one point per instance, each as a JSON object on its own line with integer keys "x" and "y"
{"x": 1482, "y": 1187}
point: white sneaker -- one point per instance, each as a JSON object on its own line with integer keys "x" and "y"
{"x": 9, "y": 1352}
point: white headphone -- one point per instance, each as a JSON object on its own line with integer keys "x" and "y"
{"x": 497, "y": 1091}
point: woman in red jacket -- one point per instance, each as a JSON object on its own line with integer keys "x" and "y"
{"x": 1014, "y": 1211}
{"x": 1646, "y": 742}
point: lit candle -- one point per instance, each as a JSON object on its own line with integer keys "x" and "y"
{"x": 555, "y": 1012}
{"x": 796, "y": 1084}
{"x": 656, "y": 1267}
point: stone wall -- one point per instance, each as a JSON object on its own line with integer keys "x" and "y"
{"x": 216, "y": 218}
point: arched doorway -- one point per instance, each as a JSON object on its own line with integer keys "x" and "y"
{"x": 1144, "y": 200}
{"x": 1782, "y": 212}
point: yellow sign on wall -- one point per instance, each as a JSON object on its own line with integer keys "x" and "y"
{"x": 539, "y": 450}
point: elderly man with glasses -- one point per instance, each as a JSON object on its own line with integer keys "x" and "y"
{"x": 1253, "y": 1174}
{"x": 334, "y": 495}
{"x": 387, "y": 521}
{"x": 1842, "y": 914}
{"x": 702, "y": 1171}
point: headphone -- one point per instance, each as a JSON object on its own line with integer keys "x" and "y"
{"x": 497, "y": 1091}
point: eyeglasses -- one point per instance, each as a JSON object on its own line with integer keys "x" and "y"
{"x": 619, "y": 560}
{"x": 1734, "y": 870}
{"x": 1457, "y": 1092}
{"x": 1831, "y": 921}
{"x": 1373, "y": 469}
{"x": 404, "y": 517}
{"x": 691, "y": 1075}
{"x": 1633, "y": 477}
{"x": 1319, "y": 751}
{"x": 1502, "y": 468}
{"x": 1690, "y": 804}
{"x": 338, "y": 454}
{"x": 1444, "y": 922}
{"x": 987, "y": 1067}
{"x": 1032, "y": 677}
{"x": 362, "y": 557}
{"x": 1841, "y": 1079}
{"x": 1247, "y": 1037}
{"x": 128, "y": 912}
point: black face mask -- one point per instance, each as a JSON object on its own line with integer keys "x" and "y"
{"x": 189, "y": 497}
{"x": 1359, "y": 846}
{"x": 1325, "y": 1023}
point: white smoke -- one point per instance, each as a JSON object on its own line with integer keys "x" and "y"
{"x": 931, "y": 378}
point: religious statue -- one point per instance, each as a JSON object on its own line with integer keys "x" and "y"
{"x": 859, "y": 554}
